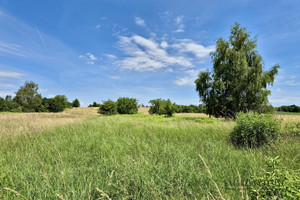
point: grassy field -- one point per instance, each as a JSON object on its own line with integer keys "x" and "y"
{"x": 288, "y": 113}
{"x": 72, "y": 155}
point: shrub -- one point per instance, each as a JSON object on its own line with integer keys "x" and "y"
{"x": 108, "y": 107}
{"x": 157, "y": 106}
{"x": 254, "y": 130}
{"x": 169, "y": 109}
{"x": 276, "y": 182}
{"x": 127, "y": 105}
{"x": 76, "y": 103}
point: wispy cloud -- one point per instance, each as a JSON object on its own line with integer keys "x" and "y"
{"x": 144, "y": 54}
{"x": 180, "y": 25}
{"x": 88, "y": 58}
{"x": 139, "y": 21}
{"x": 10, "y": 74}
{"x": 188, "y": 79}
{"x": 190, "y": 46}
{"x": 113, "y": 77}
{"x": 111, "y": 56}
{"x": 11, "y": 49}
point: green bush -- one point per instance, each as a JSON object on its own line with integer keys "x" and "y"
{"x": 169, "y": 109}
{"x": 276, "y": 182}
{"x": 127, "y": 105}
{"x": 162, "y": 107}
{"x": 108, "y": 107}
{"x": 157, "y": 106}
{"x": 76, "y": 103}
{"x": 254, "y": 130}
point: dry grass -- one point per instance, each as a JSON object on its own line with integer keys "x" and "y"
{"x": 144, "y": 110}
{"x": 12, "y": 124}
{"x": 289, "y": 118}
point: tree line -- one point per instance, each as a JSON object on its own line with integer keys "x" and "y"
{"x": 291, "y": 108}
{"x": 28, "y": 99}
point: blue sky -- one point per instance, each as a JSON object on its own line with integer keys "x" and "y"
{"x": 96, "y": 50}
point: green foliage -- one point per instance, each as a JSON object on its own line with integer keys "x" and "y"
{"x": 189, "y": 109}
{"x": 254, "y": 130}
{"x": 28, "y": 98}
{"x": 238, "y": 82}
{"x": 157, "y": 106}
{"x": 169, "y": 109}
{"x": 2, "y": 104}
{"x": 127, "y": 105}
{"x": 277, "y": 182}
{"x": 292, "y": 129}
{"x": 56, "y": 104}
{"x": 95, "y": 104}
{"x": 108, "y": 107}
{"x": 76, "y": 103}
{"x": 162, "y": 107}
{"x": 291, "y": 108}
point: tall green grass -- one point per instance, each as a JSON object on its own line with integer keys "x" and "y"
{"x": 133, "y": 157}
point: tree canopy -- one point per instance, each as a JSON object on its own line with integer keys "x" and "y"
{"x": 28, "y": 98}
{"x": 238, "y": 82}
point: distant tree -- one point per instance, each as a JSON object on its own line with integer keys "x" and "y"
{"x": 127, "y": 105}
{"x": 169, "y": 109}
{"x": 76, "y": 103}
{"x": 108, "y": 107}
{"x": 238, "y": 82}
{"x": 28, "y": 98}
{"x": 94, "y": 104}
{"x": 2, "y": 104}
{"x": 157, "y": 106}
{"x": 291, "y": 108}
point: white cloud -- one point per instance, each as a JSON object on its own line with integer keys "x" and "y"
{"x": 98, "y": 26}
{"x": 189, "y": 79}
{"x": 12, "y": 49}
{"x": 10, "y": 74}
{"x": 164, "y": 44}
{"x": 113, "y": 77}
{"x": 179, "y": 22}
{"x": 88, "y": 58}
{"x": 111, "y": 56}
{"x": 144, "y": 54}
{"x": 139, "y": 21}
{"x": 190, "y": 46}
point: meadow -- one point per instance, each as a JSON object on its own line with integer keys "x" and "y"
{"x": 79, "y": 154}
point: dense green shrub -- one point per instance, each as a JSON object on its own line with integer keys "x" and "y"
{"x": 76, "y": 103}
{"x": 254, "y": 130}
{"x": 127, "y": 105}
{"x": 108, "y": 107}
{"x": 276, "y": 182}
{"x": 157, "y": 106}
{"x": 169, "y": 109}
{"x": 95, "y": 104}
{"x": 162, "y": 107}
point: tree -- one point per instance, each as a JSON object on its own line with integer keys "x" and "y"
{"x": 28, "y": 98}
{"x": 127, "y": 105}
{"x": 169, "y": 109}
{"x": 157, "y": 106}
{"x": 238, "y": 82}
{"x": 108, "y": 107}
{"x": 76, "y": 103}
